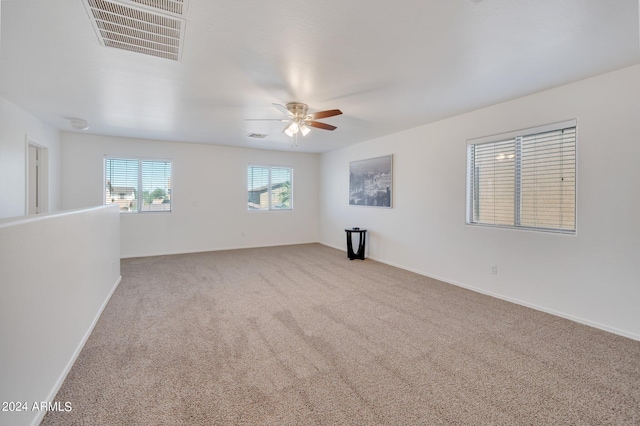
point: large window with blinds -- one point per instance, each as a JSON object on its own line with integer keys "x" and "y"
{"x": 269, "y": 188}
{"x": 137, "y": 185}
{"x": 524, "y": 179}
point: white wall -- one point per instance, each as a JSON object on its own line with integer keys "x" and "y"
{"x": 209, "y": 195}
{"x": 58, "y": 272}
{"x": 592, "y": 277}
{"x": 15, "y": 125}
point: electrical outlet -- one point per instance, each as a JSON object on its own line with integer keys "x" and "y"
{"x": 494, "y": 269}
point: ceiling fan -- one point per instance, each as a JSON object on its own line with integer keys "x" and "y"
{"x": 299, "y": 120}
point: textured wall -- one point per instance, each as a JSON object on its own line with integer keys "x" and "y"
{"x": 591, "y": 277}
{"x": 58, "y": 272}
{"x": 209, "y": 198}
{"x": 15, "y": 126}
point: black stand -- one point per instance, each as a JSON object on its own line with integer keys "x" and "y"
{"x": 363, "y": 236}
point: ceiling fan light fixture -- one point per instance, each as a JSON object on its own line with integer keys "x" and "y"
{"x": 292, "y": 129}
{"x": 304, "y": 129}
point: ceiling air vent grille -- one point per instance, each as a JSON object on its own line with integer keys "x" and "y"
{"x": 177, "y": 7}
{"x": 257, "y": 135}
{"x": 130, "y": 28}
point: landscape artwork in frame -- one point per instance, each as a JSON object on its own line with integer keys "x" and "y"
{"x": 371, "y": 182}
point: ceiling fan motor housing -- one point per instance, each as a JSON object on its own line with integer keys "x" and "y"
{"x": 297, "y": 109}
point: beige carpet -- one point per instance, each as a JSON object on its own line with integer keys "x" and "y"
{"x": 300, "y": 335}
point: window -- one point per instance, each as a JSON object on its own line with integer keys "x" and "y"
{"x": 138, "y": 185}
{"x": 269, "y": 188}
{"x": 524, "y": 180}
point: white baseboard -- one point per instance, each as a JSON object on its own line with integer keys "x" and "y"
{"x": 342, "y": 249}
{"x": 76, "y": 353}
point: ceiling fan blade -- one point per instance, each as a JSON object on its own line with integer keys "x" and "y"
{"x": 324, "y": 114}
{"x": 282, "y": 108}
{"x": 320, "y": 125}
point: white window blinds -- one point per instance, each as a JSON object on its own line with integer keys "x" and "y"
{"x": 269, "y": 188}
{"x": 138, "y": 185}
{"x": 492, "y": 168}
{"x": 156, "y": 186}
{"x": 280, "y": 188}
{"x": 548, "y": 180}
{"x": 525, "y": 181}
{"x": 121, "y": 177}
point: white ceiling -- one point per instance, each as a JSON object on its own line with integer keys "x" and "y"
{"x": 388, "y": 65}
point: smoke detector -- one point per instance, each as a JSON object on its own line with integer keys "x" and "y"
{"x": 78, "y": 123}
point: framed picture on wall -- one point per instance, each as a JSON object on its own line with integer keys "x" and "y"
{"x": 371, "y": 182}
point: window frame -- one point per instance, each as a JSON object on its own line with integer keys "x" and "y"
{"x": 270, "y": 167}
{"x": 139, "y": 186}
{"x": 518, "y": 136}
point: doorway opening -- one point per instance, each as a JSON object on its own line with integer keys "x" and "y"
{"x": 37, "y": 178}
